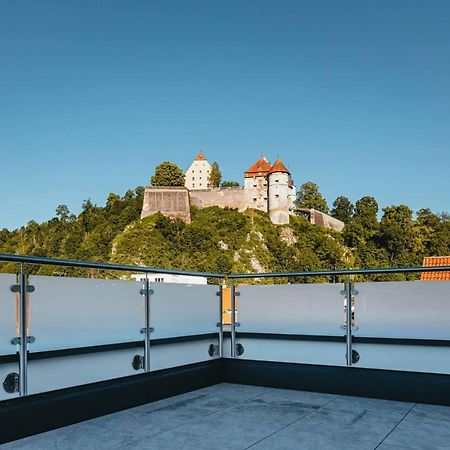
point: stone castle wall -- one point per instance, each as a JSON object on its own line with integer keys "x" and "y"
{"x": 170, "y": 201}
{"x": 227, "y": 197}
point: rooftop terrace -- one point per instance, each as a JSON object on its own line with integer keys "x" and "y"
{"x": 112, "y": 363}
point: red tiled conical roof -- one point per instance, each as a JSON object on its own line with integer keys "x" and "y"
{"x": 260, "y": 169}
{"x": 200, "y": 157}
{"x": 278, "y": 166}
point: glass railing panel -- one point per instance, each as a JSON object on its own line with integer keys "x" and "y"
{"x": 8, "y": 314}
{"x": 309, "y": 309}
{"x": 80, "y": 312}
{"x": 9, "y": 361}
{"x": 183, "y": 310}
{"x": 413, "y": 310}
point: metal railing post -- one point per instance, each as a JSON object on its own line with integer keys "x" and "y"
{"x": 220, "y": 322}
{"x": 348, "y": 338}
{"x": 233, "y": 320}
{"x": 147, "y": 325}
{"x": 23, "y": 341}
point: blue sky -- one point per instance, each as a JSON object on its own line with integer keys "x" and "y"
{"x": 352, "y": 95}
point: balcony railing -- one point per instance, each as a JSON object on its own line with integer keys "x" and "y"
{"x": 60, "y": 332}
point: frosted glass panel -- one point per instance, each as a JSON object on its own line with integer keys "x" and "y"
{"x": 7, "y": 314}
{"x": 314, "y": 309}
{"x": 183, "y": 310}
{"x": 414, "y": 309}
{"x": 79, "y": 312}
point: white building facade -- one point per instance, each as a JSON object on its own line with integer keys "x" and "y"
{"x": 169, "y": 278}
{"x": 197, "y": 176}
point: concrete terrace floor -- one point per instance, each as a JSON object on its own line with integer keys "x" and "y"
{"x": 228, "y": 416}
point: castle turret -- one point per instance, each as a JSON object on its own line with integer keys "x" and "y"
{"x": 197, "y": 176}
{"x": 255, "y": 184}
{"x": 280, "y": 193}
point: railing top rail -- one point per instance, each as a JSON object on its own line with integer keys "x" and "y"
{"x": 99, "y": 265}
{"x": 130, "y": 268}
{"x": 342, "y": 272}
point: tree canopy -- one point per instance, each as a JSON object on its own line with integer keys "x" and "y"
{"x": 342, "y": 209}
{"x": 168, "y": 174}
{"x": 225, "y": 240}
{"x": 309, "y": 197}
{"x": 215, "y": 177}
{"x": 230, "y": 184}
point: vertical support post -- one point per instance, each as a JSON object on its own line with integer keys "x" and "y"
{"x": 23, "y": 341}
{"x": 348, "y": 295}
{"x": 147, "y": 293}
{"x": 220, "y": 322}
{"x": 233, "y": 320}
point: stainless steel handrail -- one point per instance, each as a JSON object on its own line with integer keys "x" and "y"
{"x": 341, "y": 272}
{"x": 97, "y": 265}
{"x": 130, "y": 268}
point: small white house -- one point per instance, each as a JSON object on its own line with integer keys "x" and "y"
{"x": 169, "y": 278}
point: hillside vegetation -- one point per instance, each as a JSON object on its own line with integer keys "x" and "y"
{"x": 225, "y": 241}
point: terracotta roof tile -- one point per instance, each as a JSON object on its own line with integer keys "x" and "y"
{"x": 200, "y": 157}
{"x": 259, "y": 169}
{"x": 433, "y": 261}
{"x": 278, "y": 166}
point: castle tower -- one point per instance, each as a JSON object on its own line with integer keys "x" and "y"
{"x": 280, "y": 193}
{"x": 197, "y": 176}
{"x": 255, "y": 184}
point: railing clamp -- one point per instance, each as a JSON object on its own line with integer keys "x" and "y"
{"x": 11, "y": 383}
{"x": 239, "y": 349}
{"x": 16, "y": 288}
{"x": 354, "y": 292}
{"x": 138, "y": 362}
{"x": 144, "y": 330}
{"x": 213, "y": 350}
{"x": 17, "y": 341}
{"x": 144, "y": 291}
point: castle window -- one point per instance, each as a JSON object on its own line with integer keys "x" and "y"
{"x": 276, "y": 195}
{"x": 276, "y": 181}
{"x": 254, "y": 199}
{"x": 193, "y": 178}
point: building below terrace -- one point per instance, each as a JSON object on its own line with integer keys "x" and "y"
{"x": 267, "y": 187}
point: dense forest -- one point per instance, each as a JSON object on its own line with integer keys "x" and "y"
{"x": 225, "y": 240}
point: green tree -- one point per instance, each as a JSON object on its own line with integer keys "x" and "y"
{"x": 62, "y": 212}
{"x": 401, "y": 237}
{"x": 168, "y": 174}
{"x": 309, "y": 197}
{"x": 230, "y": 184}
{"x": 342, "y": 209}
{"x": 366, "y": 210}
{"x": 215, "y": 177}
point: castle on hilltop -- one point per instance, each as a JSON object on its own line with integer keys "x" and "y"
{"x": 267, "y": 187}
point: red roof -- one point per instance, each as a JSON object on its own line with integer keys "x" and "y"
{"x": 278, "y": 166}
{"x": 260, "y": 169}
{"x": 433, "y": 261}
{"x": 200, "y": 157}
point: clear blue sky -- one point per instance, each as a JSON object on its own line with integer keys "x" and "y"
{"x": 353, "y": 95}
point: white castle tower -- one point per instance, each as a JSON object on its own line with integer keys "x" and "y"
{"x": 197, "y": 176}
{"x": 255, "y": 184}
{"x": 280, "y": 193}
